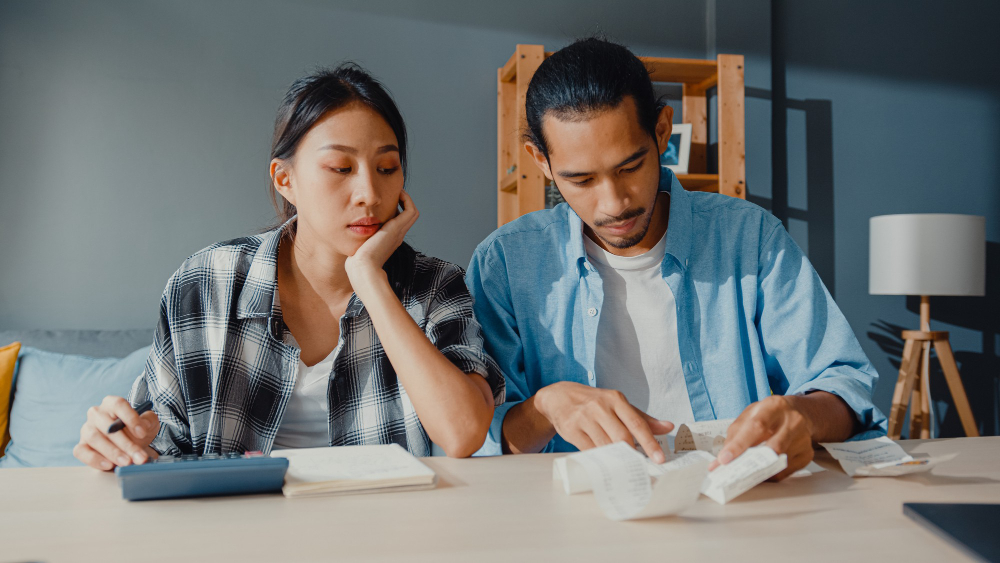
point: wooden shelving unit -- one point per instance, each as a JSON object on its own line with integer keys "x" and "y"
{"x": 521, "y": 185}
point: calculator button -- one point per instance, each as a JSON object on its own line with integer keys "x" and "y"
{"x": 165, "y": 459}
{"x": 234, "y": 455}
{"x": 189, "y": 457}
{"x": 211, "y": 456}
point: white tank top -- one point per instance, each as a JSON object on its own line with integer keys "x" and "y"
{"x": 305, "y": 423}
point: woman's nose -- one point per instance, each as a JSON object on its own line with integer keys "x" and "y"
{"x": 366, "y": 190}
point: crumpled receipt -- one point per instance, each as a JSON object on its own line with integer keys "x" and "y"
{"x": 628, "y": 485}
{"x": 880, "y": 457}
{"x": 707, "y": 436}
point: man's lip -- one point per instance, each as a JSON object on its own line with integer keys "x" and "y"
{"x": 625, "y": 226}
{"x": 366, "y": 222}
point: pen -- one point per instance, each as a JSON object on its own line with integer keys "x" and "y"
{"x": 118, "y": 424}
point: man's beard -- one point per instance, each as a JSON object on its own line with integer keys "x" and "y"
{"x": 626, "y": 242}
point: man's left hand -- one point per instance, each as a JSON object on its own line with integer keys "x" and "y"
{"x": 777, "y": 422}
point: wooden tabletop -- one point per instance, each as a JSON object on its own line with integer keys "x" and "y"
{"x": 493, "y": 509}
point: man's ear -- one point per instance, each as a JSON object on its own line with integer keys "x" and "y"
{"x": 664, "y": 127}
{"x": 281, "y": 180}
{"x": 539, "y": 157}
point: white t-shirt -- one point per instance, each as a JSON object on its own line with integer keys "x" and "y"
{"x": 637, "y": 351}
{"x": 306, "y": 420}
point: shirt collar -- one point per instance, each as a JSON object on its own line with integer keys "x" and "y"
{"x": 257, "y": 296}
{"x": 678, "y": 229}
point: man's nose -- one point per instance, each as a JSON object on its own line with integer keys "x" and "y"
{"x": 613, "y": 198}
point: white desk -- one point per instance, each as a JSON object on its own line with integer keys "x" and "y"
{"x": 493, "y": 509}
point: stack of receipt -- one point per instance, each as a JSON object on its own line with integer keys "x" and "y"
{"x": 628, "y": 485}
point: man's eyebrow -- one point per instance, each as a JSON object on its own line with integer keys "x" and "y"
{"x": 632, "y": 158}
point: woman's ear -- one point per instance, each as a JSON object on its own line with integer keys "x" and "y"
{"x": 281, "y": 179}
{"x": 664, "y": 127}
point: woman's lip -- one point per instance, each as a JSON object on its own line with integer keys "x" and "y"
{"x": 622, "y": 228}
{"x": 365, "y": 229}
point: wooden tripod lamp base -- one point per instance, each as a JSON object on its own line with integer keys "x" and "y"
{"x": 914, "y": 375}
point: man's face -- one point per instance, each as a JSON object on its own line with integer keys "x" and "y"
{"x": 607, "y": 168}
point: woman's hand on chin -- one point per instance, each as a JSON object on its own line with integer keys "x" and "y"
{"x": 371, "y": 256}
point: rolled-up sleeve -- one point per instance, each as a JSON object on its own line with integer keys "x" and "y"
{"x": 159, "y": 384}
{"x": 452, "y": 327}
{"x": 806, "y": 341}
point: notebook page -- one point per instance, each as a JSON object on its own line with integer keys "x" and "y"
{"x": 351, "y": 463}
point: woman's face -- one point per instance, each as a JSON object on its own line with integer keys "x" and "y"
{"x": 344, "y": 179}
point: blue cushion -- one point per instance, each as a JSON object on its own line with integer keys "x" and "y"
{"x": 51, "y": 396}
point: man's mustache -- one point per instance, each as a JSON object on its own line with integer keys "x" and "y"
{"x": 629, "y": 214}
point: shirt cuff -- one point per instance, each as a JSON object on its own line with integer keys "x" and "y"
{"x": 869, "y": 420}
{"x": 494, "y": 440}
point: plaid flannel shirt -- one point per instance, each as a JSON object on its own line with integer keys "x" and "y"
{"x": 219, "y": 374}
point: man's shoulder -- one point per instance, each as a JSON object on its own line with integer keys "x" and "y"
{"x": 537, "y": 231}
{"x": 729, "y": 211}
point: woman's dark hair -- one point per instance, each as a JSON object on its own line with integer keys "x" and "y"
{"x": 589, "y": 75}
{"x": 311, "y": 97}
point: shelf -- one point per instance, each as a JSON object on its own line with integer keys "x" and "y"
{"x": 699, "y": 182}
{"x": 509, "y": 183}
{"x": 524, "y": 191}
{"x": 688, "y": 71}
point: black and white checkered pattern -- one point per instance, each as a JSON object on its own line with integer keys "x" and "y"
{"x": 219, "y": 374}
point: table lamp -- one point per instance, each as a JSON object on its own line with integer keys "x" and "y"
{"x": 927, "y": 254}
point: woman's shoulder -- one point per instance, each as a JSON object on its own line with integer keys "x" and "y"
{"x": 228, "y": 255}
{"x": 222, "y": 268}
{"x": 421, "y": 277}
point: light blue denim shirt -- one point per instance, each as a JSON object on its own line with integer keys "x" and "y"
{"x": 753, "y": 317}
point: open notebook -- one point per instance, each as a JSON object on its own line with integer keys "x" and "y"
{"x": 353, "y": 469}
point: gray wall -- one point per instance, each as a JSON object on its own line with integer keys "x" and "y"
{"x": 881, "y": 108}
{"x": 135, "y": 133}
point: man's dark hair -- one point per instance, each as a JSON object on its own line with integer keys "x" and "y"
{"x": 590, "y": 75}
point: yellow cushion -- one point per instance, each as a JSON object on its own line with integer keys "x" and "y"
{"x": 8, "y": 357}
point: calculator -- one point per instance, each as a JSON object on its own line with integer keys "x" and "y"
{"x": 205, "y": 475}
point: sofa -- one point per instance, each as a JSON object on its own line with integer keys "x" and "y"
{"x": 58, "y": 375}
{"x": 61, "y": 373}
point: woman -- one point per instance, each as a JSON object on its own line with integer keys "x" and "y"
{"x": 327, "y": 330}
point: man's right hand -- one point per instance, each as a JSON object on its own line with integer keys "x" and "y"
{"x": 104, "y": 451}
{"x": 588, "y": 417}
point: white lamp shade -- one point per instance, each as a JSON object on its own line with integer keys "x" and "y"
{"x": 927, "y": 254}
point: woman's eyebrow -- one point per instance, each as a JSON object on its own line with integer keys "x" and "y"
{"x": 351, "y": 150}
{"x": 341, "y": 148}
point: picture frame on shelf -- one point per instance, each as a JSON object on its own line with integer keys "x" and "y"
{"x": 678, "y": 152}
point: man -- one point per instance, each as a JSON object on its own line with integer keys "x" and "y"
{"x": 639, "y": 306}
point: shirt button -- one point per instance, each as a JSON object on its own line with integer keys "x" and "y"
{"x": 590, "y": 375}
{"x": 592, "y": 312}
